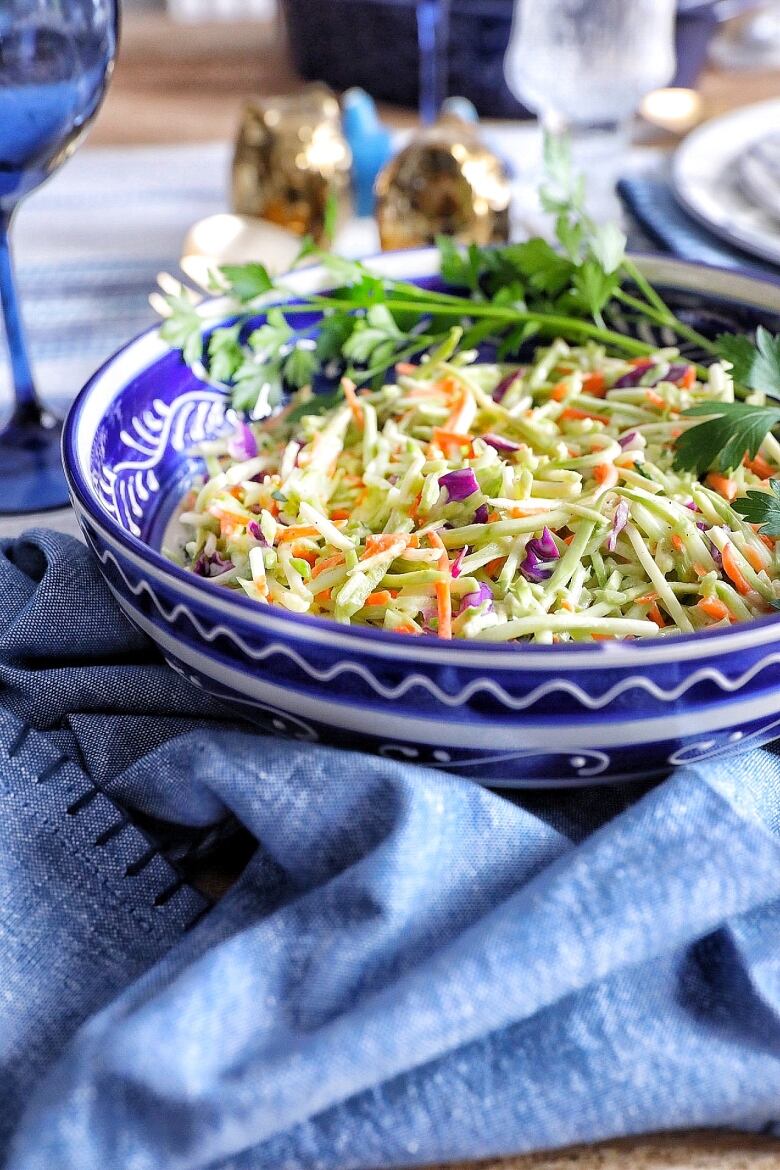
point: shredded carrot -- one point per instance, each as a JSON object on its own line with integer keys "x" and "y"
{"x": 605, "y": 474}
{"x": 227, "y": 515}
{"x": 385, "y": 541}
{"x": 323, "y": 596}
{"x": 753, "y": 558}
{"x": 700, "y": 570}
{"x": 602, "y": 637}
{"x": 640, "y": 361}
{"x": 654, "y": 399}
{"x": 405, "y": 368}
{"x": 447, "y": 439}
{"x": 594, "y": 384}
{"x": 405, "y": 628}
{"x": 444, "y": 608}
{"x": 295, "y": 532}
{"x": 328, "y": 563}
{"x": 456, "y": 419}
{"x": 767, "y": 540}
{"x": 688, "y": 378}
{"x": 305, "y": 554}
{"x": 677, "y": 543}
{"x": 493, "y": 566}
{"x": 437, "y": 542}
{"x": 381, "y": 597}
{"x": 443, "y": 590}
{"x": 733, "y": 570}
{"x": 559, "y": 392}
{"x": 759, "y": 466}
{"x": 722, "y": 485}
{"x": 656, "y": 616}
{"x": 714, "y": 608}
{"x": 574, "y": 412}
{"x": 350, "y": 393}
{"x": 647, "y": 599}
{"x": 340, "y": 514}
{"x": 568, "y": 539}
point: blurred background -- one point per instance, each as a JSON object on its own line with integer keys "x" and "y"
{"x": 673, "y": 107}
{"x": 197, "y": 58}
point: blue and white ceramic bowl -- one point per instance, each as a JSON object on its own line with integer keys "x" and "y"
{"x": 507, "y": 715}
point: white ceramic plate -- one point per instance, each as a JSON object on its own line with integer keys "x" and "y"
{"x": 707, "y": 182}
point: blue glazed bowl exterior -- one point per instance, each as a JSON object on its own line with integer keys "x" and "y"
{"x": 519, "y": 716}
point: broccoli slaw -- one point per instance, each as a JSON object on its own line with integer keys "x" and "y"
{"x": 489, "y": 501}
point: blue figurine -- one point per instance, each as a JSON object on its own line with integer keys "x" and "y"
{"x": 370, "y": 142}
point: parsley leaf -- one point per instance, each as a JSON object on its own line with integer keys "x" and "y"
{"x": 594, "y": 285}
{"x": 762, "y": 508}
{"x": 183, "y": 329}
{"x": 226, "y": 354}
{"x": 247, "y": 281}
{"x": 461, "y": 268}
{"x": 300, "y": 366}
{"x": 733, "y": 430}
{"x": 374, "y": 337}
{"x": 333, "y": 334}
{"x": 271, "y": 336}
{"x": 755, "y": 366}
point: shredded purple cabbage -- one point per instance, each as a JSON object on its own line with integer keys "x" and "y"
{"x": 455, "y": 567}
{"x": 481, "y": 514}
{"x": 673, "y": 374}
{"x": 619, "y": 521}
{"x": 254, "y": 529}
{"x": 544, "y": 546}
{"x": 242, "y": 443}
{"x": 474, "y": 600}
{"x": 633, "y": 377}
{"x": 626, "y": 440}
{"x": 212, "y": 566}
{"x": 500, "y": 444}
{"x": 533, "y": 569}
{"x": 503, "y": 386}
{"x": 459, "y": 484}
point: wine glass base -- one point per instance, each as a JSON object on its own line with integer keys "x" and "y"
{"x": 31, "y": 474}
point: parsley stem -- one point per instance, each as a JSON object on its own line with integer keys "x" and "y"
{"x": 548, "y": 322}
{"x": 667, "y": 318}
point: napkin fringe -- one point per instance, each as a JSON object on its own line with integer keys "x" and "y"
{"x": 162, "y": 877}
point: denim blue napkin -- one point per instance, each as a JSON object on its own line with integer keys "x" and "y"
{"x": 653, "y": 206}
{"x": 410, "y": 969}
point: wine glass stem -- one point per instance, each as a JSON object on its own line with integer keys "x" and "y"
{"x": 432, "y": 33}
{"x": 26, "y": 408}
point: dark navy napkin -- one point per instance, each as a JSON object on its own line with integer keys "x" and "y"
{"x": 653, "y": 206}
{"x": 410, "y": 969}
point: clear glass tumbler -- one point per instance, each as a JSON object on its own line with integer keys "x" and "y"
{"x": 585, "y": 65}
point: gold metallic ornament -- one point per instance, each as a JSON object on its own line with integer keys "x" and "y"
{"x": 445, "y": 182}
{"x": 290, "y": 158}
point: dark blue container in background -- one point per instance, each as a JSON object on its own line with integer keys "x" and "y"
{"x": 373, "y": 44}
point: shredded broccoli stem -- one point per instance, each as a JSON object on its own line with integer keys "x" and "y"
{"x": 488, "y": 501}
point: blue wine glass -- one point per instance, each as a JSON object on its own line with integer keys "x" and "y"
{"x": 56, "y": 58}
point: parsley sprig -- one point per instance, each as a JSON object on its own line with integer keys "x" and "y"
{"x": 367, "y": 323}
{"x": 762, "y": 508}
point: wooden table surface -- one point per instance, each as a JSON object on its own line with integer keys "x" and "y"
{"x": 180, "y": 83}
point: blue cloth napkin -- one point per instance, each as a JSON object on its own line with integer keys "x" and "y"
{"x": 653, "y": 206}
{"x": 410, "y": 969}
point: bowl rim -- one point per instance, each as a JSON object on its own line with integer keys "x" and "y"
{"x": 730, "y": 284}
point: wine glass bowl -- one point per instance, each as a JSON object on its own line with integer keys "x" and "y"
{"x": 56, "y": 58}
